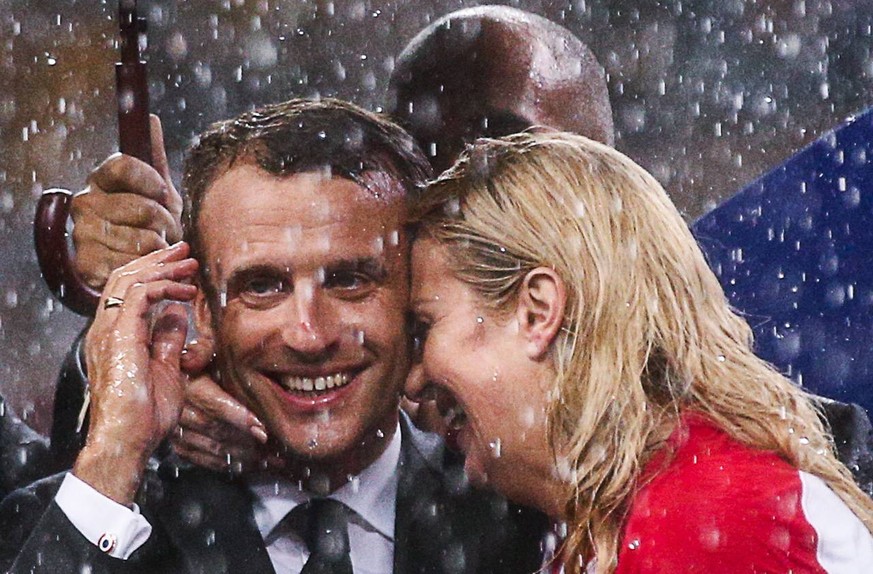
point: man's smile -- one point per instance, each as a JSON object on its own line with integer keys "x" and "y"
{"x": 314, "y": 385}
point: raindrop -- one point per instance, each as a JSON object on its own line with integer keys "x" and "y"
{"x": 354, "y": 482}
{"x": 177, "y": 47}
{"x": 835, "y": 296}
{"x": 452, "y": 207}
{"x": 852, "y": 198}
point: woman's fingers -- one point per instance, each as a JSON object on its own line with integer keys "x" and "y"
{"x": 198, "y": 355}
{"x": 205, "y": 450}
{"x": 214, "y": 404}
{"x": 197, "y": 456}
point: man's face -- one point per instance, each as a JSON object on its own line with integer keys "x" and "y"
{"x": 311, "y": 279}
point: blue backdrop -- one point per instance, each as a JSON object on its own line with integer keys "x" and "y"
{"x": 793, "y": 251}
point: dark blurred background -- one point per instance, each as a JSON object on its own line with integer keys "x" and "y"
{"x": 706, "y": 94}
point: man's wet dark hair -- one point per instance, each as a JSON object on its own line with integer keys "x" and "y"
{"x": 298, "y": 136}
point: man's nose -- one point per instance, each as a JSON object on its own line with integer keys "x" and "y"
{"x": 308, "y": 330}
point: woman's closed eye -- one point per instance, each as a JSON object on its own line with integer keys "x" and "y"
{"x": 418, "y": 331}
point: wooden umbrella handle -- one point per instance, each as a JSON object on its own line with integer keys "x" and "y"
{"x": 134, "y": 139}
{"x": 53, "y": 255}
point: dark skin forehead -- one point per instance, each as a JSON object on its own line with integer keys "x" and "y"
{"x": 494, "y": 73}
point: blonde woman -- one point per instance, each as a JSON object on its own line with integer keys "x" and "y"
{"x": 590, "y": 366}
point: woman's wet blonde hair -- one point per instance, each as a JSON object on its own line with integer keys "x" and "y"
{"x": 647, "y": 330}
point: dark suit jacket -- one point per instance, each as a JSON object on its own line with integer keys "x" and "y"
{"x": 203, "y": 523}
{"x": 24, "y": 455}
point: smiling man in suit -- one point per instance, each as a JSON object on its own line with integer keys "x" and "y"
{"x": 295, "y": 215}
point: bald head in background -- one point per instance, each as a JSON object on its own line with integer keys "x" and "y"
{"x": 492, "y": 71}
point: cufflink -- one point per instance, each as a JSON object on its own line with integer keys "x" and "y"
{"x": 106, "y": 543}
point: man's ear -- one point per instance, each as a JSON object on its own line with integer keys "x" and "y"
{"x": 200, "y": 352}
{"x": 540, "y": 310}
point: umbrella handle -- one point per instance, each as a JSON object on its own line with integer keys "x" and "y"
{"x": 53, "y": 254}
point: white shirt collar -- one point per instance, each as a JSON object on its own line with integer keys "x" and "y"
{"x": 371, "y": 494}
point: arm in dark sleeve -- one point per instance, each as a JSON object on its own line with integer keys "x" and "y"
{"x": 24, "y": 454}
{"x": 853, "y": 436}
{"x": 36, "y": 536}
{"x": 68, "y": 435}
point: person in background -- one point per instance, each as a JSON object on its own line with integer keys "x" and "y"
{"x": 594, "y": 370}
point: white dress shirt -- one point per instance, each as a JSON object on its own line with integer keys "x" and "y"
{"x": 120, "y": 531}
{"x": 371, "y": 496}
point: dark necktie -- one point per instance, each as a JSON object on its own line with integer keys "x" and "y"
{"x": 323, "y": 525}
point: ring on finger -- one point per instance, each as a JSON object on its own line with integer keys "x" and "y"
{"x": 111, "y": 302}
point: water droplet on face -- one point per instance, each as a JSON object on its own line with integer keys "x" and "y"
{"x": 496, "y": 448}
{"x": 480, "y": 320}
{"x": 379, "y": 433}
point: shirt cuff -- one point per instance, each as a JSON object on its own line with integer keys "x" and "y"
{"x": 113, "y": 528}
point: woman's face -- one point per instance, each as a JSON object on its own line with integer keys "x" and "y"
{"x": 490, "y": 393}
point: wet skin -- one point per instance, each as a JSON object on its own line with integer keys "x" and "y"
{"x": 475, "y": 364}
{"x": 310, "y": 280}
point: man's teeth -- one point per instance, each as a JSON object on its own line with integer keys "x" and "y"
{"x": 317, "y": 383}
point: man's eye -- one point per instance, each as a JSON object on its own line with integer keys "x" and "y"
{"x": 346, "y": 280}
{"x": 262, "y": 286}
